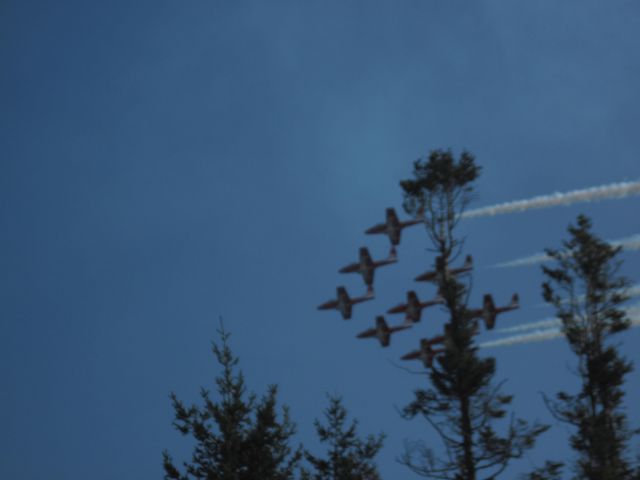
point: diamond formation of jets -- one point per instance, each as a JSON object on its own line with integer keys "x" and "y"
{"x": 392, "y": 227}
{"x": 367, "y": 266}
{"x": 343, "y": 303}
{"x": 413, "y": 308}
{"x": 382, "y": 331}
{"x": 434, "y": 275}
{"x": 489, "y": 311}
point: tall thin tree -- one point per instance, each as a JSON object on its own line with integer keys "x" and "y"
{"x": 588, "y": 292}
{"x": 462, "y": 403}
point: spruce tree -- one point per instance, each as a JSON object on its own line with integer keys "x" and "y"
{"x": 462, "y": 404}
{"x": 237, "y": 436}
{"x": 348, "y": 457}
{"x": 587, "y": 291}
{"x": 549, "y": 471}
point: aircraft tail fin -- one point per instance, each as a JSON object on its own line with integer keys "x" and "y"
{"x": 515, "y": 300}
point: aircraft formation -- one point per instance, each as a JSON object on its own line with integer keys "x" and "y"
{"x": 413, "y": 307}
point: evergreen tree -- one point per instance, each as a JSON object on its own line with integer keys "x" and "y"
{"x": 587, "y": 292}
{"x": 462, "y": 405}
{"x": 549, "y": 471}
{"x": 348, "y": 457}
{"x": 237, "y": 436}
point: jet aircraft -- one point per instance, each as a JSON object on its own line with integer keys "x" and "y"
{"x": 393, "y": 227}
{"x": 426, "y": 353}
{"x": 382, "y": 331}
{"x": 434, "y": 276}
{"x": 343, "y": 303}
{"x": 366, "y": 266}
{"x": 489, "y": 311}
{"x": 413, "y": 308}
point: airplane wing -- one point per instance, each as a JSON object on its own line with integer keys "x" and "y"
{"x": 379, "y": 228}
{"x": 352, "y": 267}
{"x": 398, "y": 308}
{"x": 426, "y": 277}
{"x": 368, "y": 296}
{"x": 411, "y": 355}
{"x": 431, "y": 303}
{"x": 371, "y": 332}
{"x": 436, "y": 339}
{"x": 467, "y": 265}
{"x": 410, "y": 223}
{"x": 399, "y": 328}
{"x": 328, "y": 305}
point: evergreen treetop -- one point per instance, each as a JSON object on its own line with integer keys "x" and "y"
{"x": 237, "y": 436}
{"x": 587, "y": 292}
{"x": 348, "y": 456}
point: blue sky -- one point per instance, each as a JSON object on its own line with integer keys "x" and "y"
{"x": 169, "y": 162}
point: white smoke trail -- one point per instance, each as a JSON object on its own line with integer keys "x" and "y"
{"x": 627, "y": 243}
{"x": 538, "y": 336}
{"x": 547, "y": 323}
{"x": 551, "y": 333}
{"x": 632, "y": 292}
{"x": 613, "y": 190}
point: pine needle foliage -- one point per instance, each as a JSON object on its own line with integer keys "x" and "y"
{"x": 549, "y": 471}
{"x": 348, "y": 456}
{"x": 588, "y": 292}
{"x": 462, "y": 404}
{"x": 237, "y": 436}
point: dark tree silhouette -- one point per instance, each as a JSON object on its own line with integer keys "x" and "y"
{"x": 587, "y": 292}
{"x": 237, "y": 436}
{"x": 462, "y": 405}
{"x": 348, "y": 457}
{"x": 549, "y": 471}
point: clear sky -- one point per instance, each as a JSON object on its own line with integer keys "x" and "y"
{"x": 168, "y": 162}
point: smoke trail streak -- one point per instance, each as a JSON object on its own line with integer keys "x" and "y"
{"x": 547, "y": 323}
{"x": 613, "y": 190}
{"x": 627, "y": 243}
{"x": 555, "y": 322}
{"x": 538, "y": 336}
{"x": 550, "y": 333}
